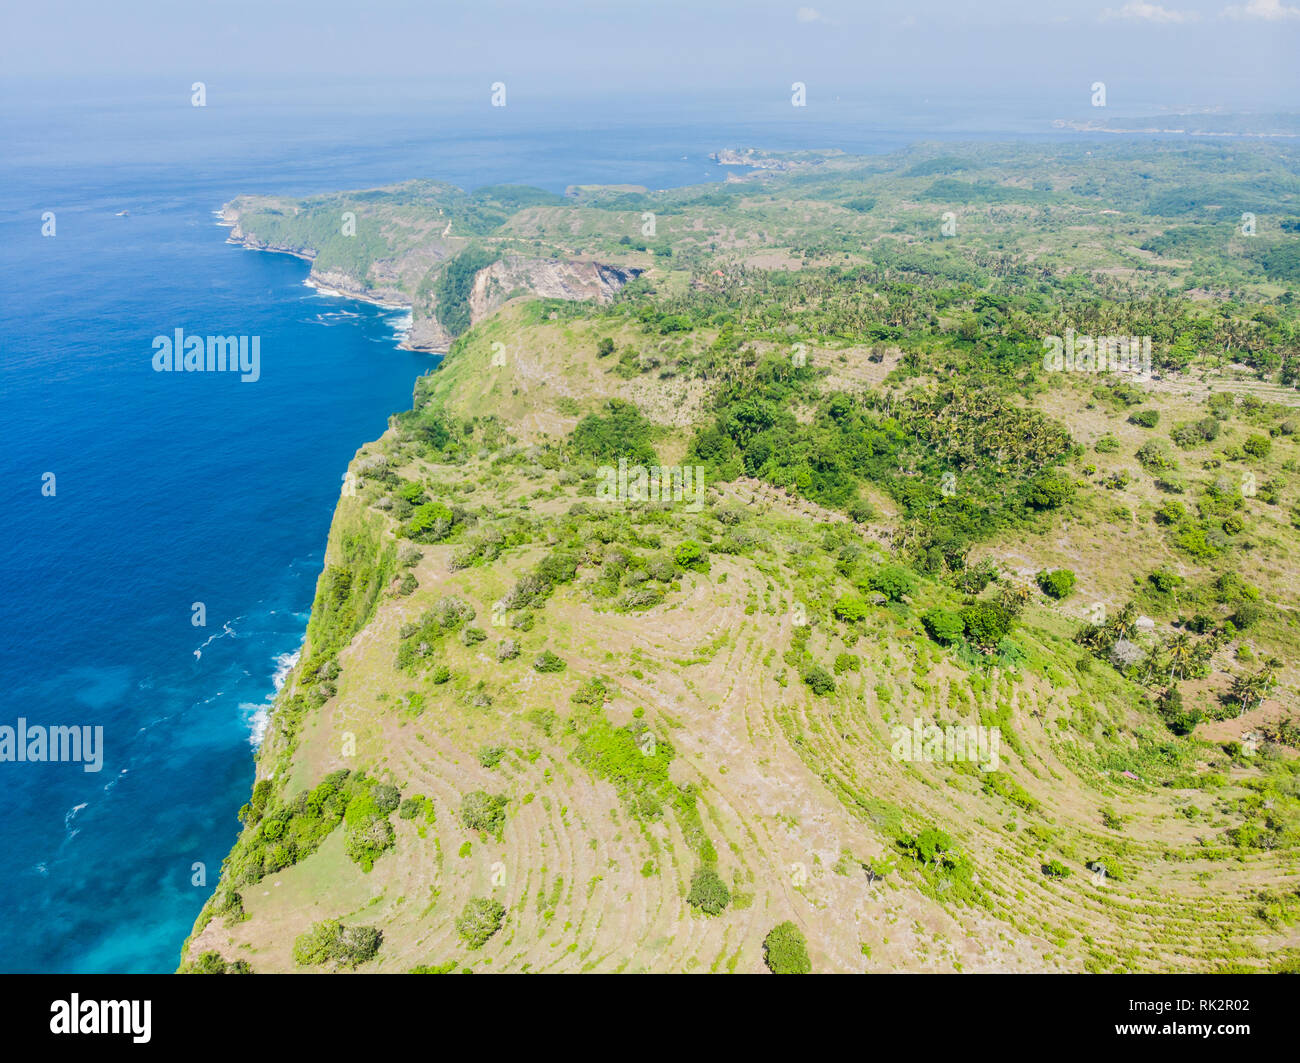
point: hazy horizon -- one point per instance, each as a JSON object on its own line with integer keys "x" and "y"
{"x": 1188, "y": 54}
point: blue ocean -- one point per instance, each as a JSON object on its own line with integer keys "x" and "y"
{"x": 131, "y": 495}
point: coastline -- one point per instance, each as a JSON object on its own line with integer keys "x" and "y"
{"x": 262, "y": 716}
{"x": 229, "y": 219}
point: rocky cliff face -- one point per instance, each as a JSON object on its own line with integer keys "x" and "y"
{"x": 393, "y": 281}
{"x": 230, "y": 216}
{"x": 548, "y": 278}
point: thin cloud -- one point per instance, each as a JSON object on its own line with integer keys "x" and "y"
{"x": 811, "y": 14}
{"x": 1265, "y": 10}
{"x": 1141, "y": 11}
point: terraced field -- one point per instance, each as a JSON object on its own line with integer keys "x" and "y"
{"x": 537, "y": 728}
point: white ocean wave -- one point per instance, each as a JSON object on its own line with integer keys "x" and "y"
{"x": 259, "y": 714}
{"x": 226, "y": 629}
{"x": 68, "y": 817}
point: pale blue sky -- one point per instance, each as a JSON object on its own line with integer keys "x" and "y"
{"x": 1180, "y": 53}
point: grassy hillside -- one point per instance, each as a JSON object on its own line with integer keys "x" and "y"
{"x": 534, "y": 728}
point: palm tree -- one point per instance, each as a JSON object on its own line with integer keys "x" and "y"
{"x": 1181, "y": 653}
{"x": 1249, "y": 690}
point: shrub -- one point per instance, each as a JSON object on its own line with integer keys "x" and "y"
{"x": 1257, "y": 446}
{"x": 1171, "y": 511}
{"x": 479, "y": 810}
{"x": 1248, "y": 614}
{"x": 1144, "y": 418}
{"x": 708, "y": 892}
{"x": 974, "y": 579}
{"x": 861, "y": 511}
{"x": 412, "y": 806}
{"x": 850, "y": 607}
{"x": 1195, "y": 542}
{"x": 928, "y": 845}
{"x": 986, "y": 624}
{"x": 1056, "y": 869}
{"x": 548, "y": 662}
{"x": 942, "y": 625}
{"x": 893, "y": 581}
{"x": 332, "y": 941}
{"x": 820, "y": 681}
{"x": 364, "y": 843}
{"x": 785, "y": 951}
{"x": 619, "y": 430}
{"x": 479, "y": 920}
{"x": 1165, "y": 581}
{"x": 212, "y": 962}
{"x": 1154, "y": 456}
{"x": 690, "y": 554}
{"x": 1058, "y": 583}
{"x": 1051, "y": 490}
{"x": 1180, "y": 720}
{"x": 386, "y": 797}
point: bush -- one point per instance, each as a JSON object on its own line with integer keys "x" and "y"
{"x": 708, "y": 892}
{"x": 1180, "y": 720}
{"x": 850, "y": 607}
{"x": 1154, "y": 456}
{"x": 974, "y": 579}
{"x": 413, "y": 806}
{"x": 479, "y": 810}
{"x": 479, "y": 920}
{"x": 893, "y": 581}
{"x": 386, "y": 797}
{"x": 1248, "y": 614}
{"x": 986, "y": 624}
{"x": 1195, "y": 433}
{"x": 211, "y": 962}
{"x": 1056, "y": 869}
{"x": 942, "y": 625}
{"x": 928, "y": 845}
{"x": 819, "y": 680}
{"x": 1144, "y": 418}
{"x": 331, "y": 941}
{"x": 1165, "y": 581}
{"x": 690, "y": 554}
{"x": 861, "y": 511}
{"x": 847, "y": 662}
{"x": 548, "y": 662}
{"x": 1058, "y": 584}
{"x": 1257, "y": 446}
{"x": 618, "y": 431}
{"x": 1171, "y": 511}
{"x": 1051, "y": 490}
{"x": 785, "y": 951}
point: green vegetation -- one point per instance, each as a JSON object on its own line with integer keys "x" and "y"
{"x": 479, "y": 920}
{"x": 812, "y": 340}
{"x": 330, "y": 942}
{"x": 483, "y": 812}
{"x": 1057, "y": 584}
{"x": 785, "y": 951}
{"x": 708, "y": 892}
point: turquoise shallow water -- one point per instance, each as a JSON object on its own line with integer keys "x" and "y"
{"x": 180, "y": 488}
